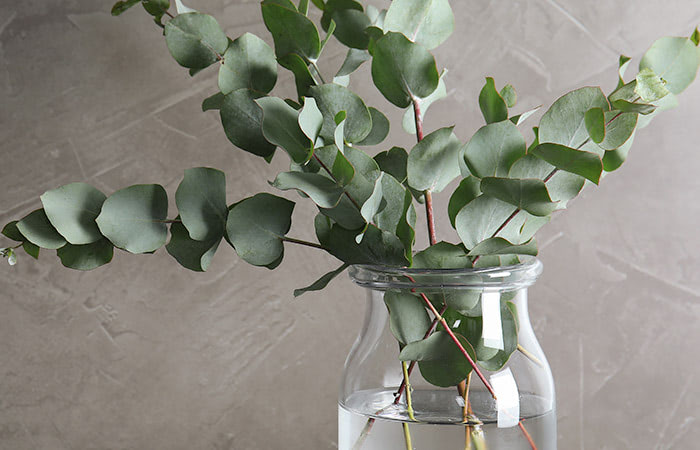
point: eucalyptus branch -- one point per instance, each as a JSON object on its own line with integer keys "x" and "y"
{"x": 333, "y": 177}
{"x": 432, "y": 237}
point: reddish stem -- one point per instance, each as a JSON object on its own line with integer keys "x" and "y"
{"x": 432, "y": 236}
{"x": 527, "y": 436}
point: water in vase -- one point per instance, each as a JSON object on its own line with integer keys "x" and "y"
{"x": 441, "y": 428}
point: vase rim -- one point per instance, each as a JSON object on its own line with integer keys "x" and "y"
{"x": 500, "y": 278}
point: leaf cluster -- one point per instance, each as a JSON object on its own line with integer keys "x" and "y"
{"x": 504, "y": 188}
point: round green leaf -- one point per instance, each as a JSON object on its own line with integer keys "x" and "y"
{"x": 249, "y": 63}
{"x": 493, "y": 107}
{"x": 310, "y": 119}
{"x": 510, "y": 96}
{"x": 280, "y": 126}
{"x": 302, "y": 76}
{"x": 675, "y": 60}
{"x": 562, "y": 186}
{"x": 393, "y": 162}
{"x": 529, "y": 194}
{"x": 201, "y": 201}
{"x": 619, "y": 129}
{"x": 353, "y": 60}
{"x": 133, "y": 218}
{"x": 377, "y": 246}
{"x": 10, "y": 230}
{"x": 469, "y": 189}
{"x": 292, "y": 31}
{"x": 442, "y": 255}
{"x": 195, "y": 40}
{"x": 408, "y": 318}
{"x": 439, "y": 359}
{"x": 191, "y": 254}
{"x": 332, "y": 99}
{"x": 380, "y": 128}
{"x": 256, "y": 226}
{"x": 493, "y": 149}
{"x": 322, "y": 190}
{"x": 428, "y": 22}
{"x": 38, "y": 230}
{"x": 564, "y": 122}
{"x": 595, "y": 124}
{"x": 242, "y": 120}
{"x": 434, "y": 162}
{"x": 500, "y": 246}
{"x": 580, "y": 162}
{"x": 481, "y": 218}
{"x": 72, "y": 210}
{"x": 402, "y": 70}
{"x": 650, "y": 87}
{"x": 87, "y": 256}
{"x": 350, "y": 20}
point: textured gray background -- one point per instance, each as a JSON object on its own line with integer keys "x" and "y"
{"x": 143, "y": 354}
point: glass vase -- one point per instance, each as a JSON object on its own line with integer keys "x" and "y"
{"x": 374, "y": 409}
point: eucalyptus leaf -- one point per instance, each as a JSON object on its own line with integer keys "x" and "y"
{"x": 481, "y": 219}
{"x": 31, "y": 249}
{"x": 440, "y": 360}
{"x": 341, "y": 170}
{"x": 249, "y": 63}
{"x": 427, "y": 22}
{"x": 650, "y": 87}
{"x": 580, "y": 162}
{"x": 353, "y": 60}
{"x": 500, "y": 246}
{"x": 613, "y": 159}
{"x": 675, "y": 60}
{"x": 619, "y": 129}
{"x": 433, "y": 162}
{"x": 493, "y": 149}
{"x": 87, "y": 256}
{"x": 393, "y": 162}
{"x": 72, "y": 210}
{"x": 443, "y": 255}
{"x": 493, "y": 107}
{"x": 521, "y": 118}
{"x": 302, "y": 75}
{"x": 562, "y": 186}
{"x": 310, "y": 119}
{"x": 292, "y": 31}
{"x": 331, "y": 100}
{"x": 595, "y": 124}
{"x": 280, "y": 126}
{"x": 195, "y": 40}
{"x": 122, "y": 6}
{"x": 213, "y": 102}
{"x": 564, "y": 122}
{"x": 350, "y": 20}
{"x": 377, "y": 247}
{"x": 242, "y": 120}
{"x": 256, "y": 227}
{"x": 528, "y": 194}
{"x": 323, "y": 191}
{"x": 469, "y": 189}
{"x": 322, "y": 282}
{"x": 133, "y": 218}
{"x": 37, "y": 229}
{"x": 624, "y": 63}
{"x": 10, "y": 230}
{"x": 380, "y": 128}
{"x": 403, "y": 70}
{"x": 195, "y": 255}
{"x": 509, "y": 95}
{"x": 408, "y": 319}
{"x": 201, "y": 201}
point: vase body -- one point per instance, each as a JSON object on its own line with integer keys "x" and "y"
{"x": 372, "y": 416}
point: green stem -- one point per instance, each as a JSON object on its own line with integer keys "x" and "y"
{"x": 409, "y": 401}
{"x": 318, "y": 71}
{"x": 407, "y": 436}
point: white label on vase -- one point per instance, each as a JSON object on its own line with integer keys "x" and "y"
{"x": 508, "y": 402}
{"x": 492, "y": 330}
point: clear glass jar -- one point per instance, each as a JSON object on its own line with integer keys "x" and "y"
{"x": 373, "y": 417}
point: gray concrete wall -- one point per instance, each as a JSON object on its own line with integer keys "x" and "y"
{"x": 143, "y": 354}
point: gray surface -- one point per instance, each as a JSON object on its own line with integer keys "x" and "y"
{"x": 144, "y": 354}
